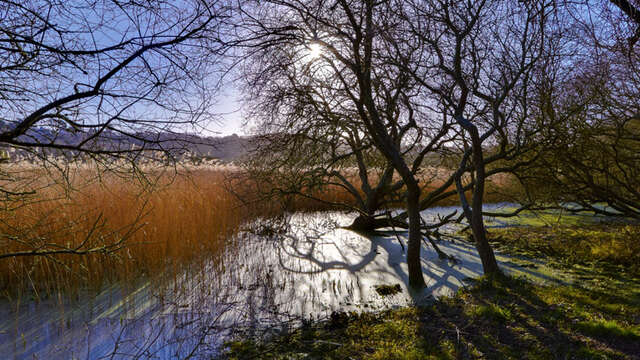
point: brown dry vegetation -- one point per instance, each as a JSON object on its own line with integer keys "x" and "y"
{"x": 500, "y": 187}
{"x": 183, "y": 220}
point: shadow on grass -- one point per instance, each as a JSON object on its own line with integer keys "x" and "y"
{"x": 510, "y": 318}
{"x": 502, "y": 318}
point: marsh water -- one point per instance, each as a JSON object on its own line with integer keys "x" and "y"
{"x": 269, "y": 280}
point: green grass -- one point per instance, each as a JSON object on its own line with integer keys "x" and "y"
{"x": 491, "y": 312}
{"x": 550, "y": 217}
{"x": 388, "y": 335}
{"x": 596, "y": 248}
{"x": 609, "y": 328}
{"x": 495, "y": 319}
{"x": 597, "y": 317}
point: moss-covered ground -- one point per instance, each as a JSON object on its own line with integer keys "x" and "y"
{"x": 595, "y": 317}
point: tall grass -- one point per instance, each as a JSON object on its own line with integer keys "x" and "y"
{"x": 184, "y": 221}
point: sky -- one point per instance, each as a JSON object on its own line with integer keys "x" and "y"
{"x": 231, "y": 115}
{"x": 230, "y": 108}
{"x": 102, "y": 27}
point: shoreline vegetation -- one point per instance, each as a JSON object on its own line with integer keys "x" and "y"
{"x": 595, "y": 317}
{"x": 187, "y": 220}
{"x": 167, "y": 223}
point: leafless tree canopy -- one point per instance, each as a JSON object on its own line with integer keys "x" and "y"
{"x": 88, "y": 77}
{"x": 589, "y": 151}
{"x": 102, "y": 83}
{"x": 406, "y": 80}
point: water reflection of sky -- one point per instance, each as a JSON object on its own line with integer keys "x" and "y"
{"x": 265, "y": 283}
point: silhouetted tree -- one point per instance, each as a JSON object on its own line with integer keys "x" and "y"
{"x": 590, "y": 102}
{"x": 479, "y": 61}
{"x": 379, "y": 71}
{"x": 105, "y": 83}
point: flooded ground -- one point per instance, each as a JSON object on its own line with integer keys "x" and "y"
{"x": 271, "y": 279}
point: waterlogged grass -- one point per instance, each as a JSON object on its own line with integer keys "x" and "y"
{"x": 596, "y": 317}
{"x": 543, "y": 218}
{"x": 610, "y": 248}
{"x": 495, "y": 319}
{"x": 183, "y": 223}
{"x": 388, "y": 335}
{"x": 385, "y": 290}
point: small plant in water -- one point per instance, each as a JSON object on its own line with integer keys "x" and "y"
{"x": 385, "y": 290}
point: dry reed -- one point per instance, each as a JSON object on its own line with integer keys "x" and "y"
{"x": 184, "y": 221}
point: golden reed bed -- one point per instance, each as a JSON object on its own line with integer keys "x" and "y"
{"x": 183, "y": 220}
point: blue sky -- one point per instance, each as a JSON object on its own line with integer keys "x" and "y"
{"x": 231, "y": 114}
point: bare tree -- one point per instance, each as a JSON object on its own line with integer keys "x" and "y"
{"x": 104, "y": 83}
{"x": 368, "y": 94}
{"x": 309, "y": 134}
{"x": 591, "y": 105}
{"x": 479, "y": 62}
{"x": 405, "y": 75}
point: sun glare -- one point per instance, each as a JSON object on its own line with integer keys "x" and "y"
{"x": 314, "y": 50}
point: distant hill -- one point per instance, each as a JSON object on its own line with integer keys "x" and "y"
{"x": 179, "y": 145}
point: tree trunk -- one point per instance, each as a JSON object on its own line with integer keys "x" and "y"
{"x": 416, "y": 280}
{"x": 489, "y": 264}
{"x": 370, "y": 223}
{"x": 474, "y": 214}
{"x": 365, "y": 223}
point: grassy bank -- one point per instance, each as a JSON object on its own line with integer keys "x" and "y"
{"x": 596, "y": 317}
{"x": 613, "y": 248}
